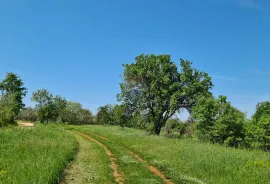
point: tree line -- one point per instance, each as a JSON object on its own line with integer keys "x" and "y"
{"x": 47, "y": 106}
{"x": 153, "y": 90}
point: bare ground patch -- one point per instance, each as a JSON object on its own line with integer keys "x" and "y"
{"x": 26, "y": 124}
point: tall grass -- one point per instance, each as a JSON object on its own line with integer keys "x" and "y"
{"x": 35, "y": 155}
{"x": 187, "y": 160}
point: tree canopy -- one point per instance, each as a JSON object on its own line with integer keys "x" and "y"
{"x": 48, "y": 106}
{"x": 13, "y": 84}
{"x": 154, "y": 86}
{"x": 218, "y": 121}
{"x": 262, "y": 109}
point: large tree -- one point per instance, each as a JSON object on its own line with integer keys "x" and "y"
{"x": 13, "y": 85}
{"x": 154, "y": 86}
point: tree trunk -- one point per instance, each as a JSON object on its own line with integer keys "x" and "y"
{"x": 157, "y": 128}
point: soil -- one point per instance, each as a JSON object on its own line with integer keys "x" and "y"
{"x": 26, "y": 124}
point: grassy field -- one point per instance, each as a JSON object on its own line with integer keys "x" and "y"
{"x": 182, "y": 161}
{"x": 35, "y": 155}
{"x": 40, "y": 154}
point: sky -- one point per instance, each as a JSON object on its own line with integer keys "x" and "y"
{"x": 76, "y": 48}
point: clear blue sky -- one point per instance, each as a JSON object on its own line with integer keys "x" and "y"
{"x": 76, "y": 48}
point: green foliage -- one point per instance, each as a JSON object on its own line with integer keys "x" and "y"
{"x": 262, "y": 109}
{"x": 182, "y": 128}
{"x": 119, "y": 115}
{"x": 85, "y": 117}
{"x": 58, "y": 107}
{"x": 105, "y": 115}
{"x": 75, "y": 114}
{"x": 154, "y": 87}
{"x": 48, "y": 107}
{"x": 12, "y": 93}
{"x": 258, "y": 133}
{"x": 219, "y": 122}
{"x": 28, "y": 114}
{"x": 8, "y": 108}
{"x": 13, "y": 85}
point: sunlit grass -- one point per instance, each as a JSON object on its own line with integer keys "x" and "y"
{"x": 91, "y": 165}
{"x": 187, "y": 160}
{"x": 35, "y": 155}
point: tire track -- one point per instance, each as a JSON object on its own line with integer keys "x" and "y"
{"x": 150, "y": 167}
{"x": 154, "y": 169}
{"x": 119, "y": 177}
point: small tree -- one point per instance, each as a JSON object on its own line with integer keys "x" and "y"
{"x": 105, "y": 115}
{"x": 48, "y": 107}
{"x": 59, "y": 106}
{"x": 71, "y": 112}
{"x": 12, "y": 85}
{"x": 120, "y": 116}
{"x": 154, "y": 86}
{"x": 258, "y": 129}
{"x": 219, "y": 122}
{"x": 44, "y": 106}
{"x": 86, "y": 116}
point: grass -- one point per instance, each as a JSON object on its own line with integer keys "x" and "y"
{"x": 91, "y": 165}
{"x": 182, "y": 160}
{"x": 35, "y": 155}
{"x": 134, "y": 171}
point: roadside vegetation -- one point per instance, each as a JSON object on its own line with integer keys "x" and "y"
{"x": 35, "y": 155}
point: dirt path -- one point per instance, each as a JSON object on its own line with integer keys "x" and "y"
{"x": 153, "y": 169}
{"x": 91, "y": 164}
{"x": 119, "y": 177}
{"x": 141, "y": 173}
{"x": 150, "y": 167}
{"x": 26, "y": 124}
